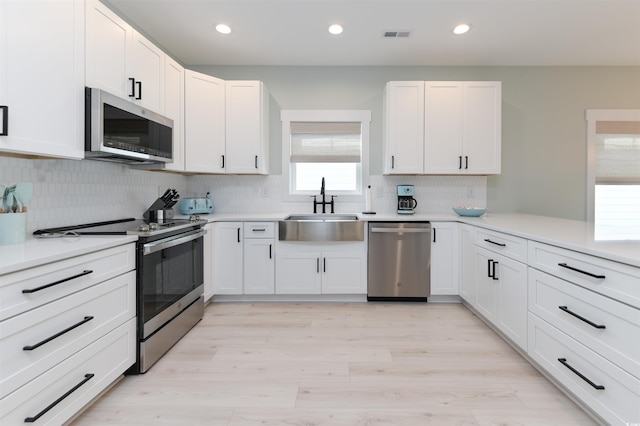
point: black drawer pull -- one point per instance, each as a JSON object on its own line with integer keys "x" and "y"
{"x": 564, "y": 265}
{"x": 493, "y": 242}
{"x": 592, "y": 324}
{"x": 55, "y": 336}
{"x": 564, "y": 362}
{"x": 87, "y": 377}
{"x": 259, "y": 229}
{"x": 82, "y": 274}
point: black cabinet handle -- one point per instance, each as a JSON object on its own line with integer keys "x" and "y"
{"x": 87, "y": 377}
{"x": 82, "y": 274}
{"x": 55, "y": 336}
{"x": 5, "y": 121}
{"x": 259, "y": 230}
{"x": 318, "y": 265}
{"x": 256, "y": 162}
{"x": 564, "y": 362}
{"x": 238, "y": 234}
{"x": 564, "y": 265}
{"x": 222, "y": 161}
{"x": 460, "y": 162}
{"x": 434, "y": 235}
{"x": 139, "y": 84}
{"x": 592, "y": 324}
{"x": 393, "y": 161}
{"x": 494, "y": 271}
{"x": 324, "y": 264}
{"x": 270, "y": 251}
{"x": 489, "y": 268}
{"x": 493, "y": 242}
{"x": 466, "y": 162}
{"x": 132, "y": 94}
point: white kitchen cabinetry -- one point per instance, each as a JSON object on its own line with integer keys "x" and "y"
{"x": 445, "y": 263}
{"x": 501, "y": 284}
{"x": 247, "y": 127}
{"x": 445, "y": 127}
{"x": 42, "y": 115}
{"x": 309, "y": 268}
{"x": 462, "y": 127}
{"x": 467, "y": 277}
{"x": 584, "y": 319}
{"x": 174, "y": 109}
{"x": 204, "y": 124}
{"x": 121, "y": 61}
{"x": 227, "y": 257}
{"x": 207, "y": 254}
{"x": 65, "y": 325}
{"x": 259, "y": 258}
{"x": 404, "y": 127}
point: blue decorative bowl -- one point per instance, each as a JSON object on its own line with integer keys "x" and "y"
{"x": 469, "y": 211}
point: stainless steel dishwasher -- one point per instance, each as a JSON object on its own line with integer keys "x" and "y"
{"x": 399, "y": 261}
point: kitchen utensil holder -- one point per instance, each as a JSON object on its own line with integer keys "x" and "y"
{"x": 13, "y": 228}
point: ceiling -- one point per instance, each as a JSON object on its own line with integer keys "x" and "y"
{"x": 294, "y": 32}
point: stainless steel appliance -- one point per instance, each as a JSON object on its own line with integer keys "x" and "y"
{"x": 120, "y": 131}
{"x": 406, "y": 202}
{"x": 399, "y": 261}
{"x": 169, "y": 279}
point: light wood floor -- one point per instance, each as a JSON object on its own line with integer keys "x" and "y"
{"x": 377, "y": 364}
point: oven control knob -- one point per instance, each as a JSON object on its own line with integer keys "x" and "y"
{"x": 194, "y": 218}
{"x": 153, "y": 226}
{"x": 144, "y": 228}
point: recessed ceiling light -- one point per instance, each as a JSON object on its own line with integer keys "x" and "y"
{"x": 223, "y": 29}
{"x": 461, "y": 29}
{"x": 335, "y": 29}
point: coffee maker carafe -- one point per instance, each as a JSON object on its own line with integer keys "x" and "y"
{"x": 406, "y": 202}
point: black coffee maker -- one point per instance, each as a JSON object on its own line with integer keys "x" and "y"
{"x": 406, "y": 202}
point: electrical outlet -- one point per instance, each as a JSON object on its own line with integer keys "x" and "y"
{"x": 264, "y": 191}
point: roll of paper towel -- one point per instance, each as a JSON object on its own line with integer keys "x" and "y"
{"x": 368, "y": 201}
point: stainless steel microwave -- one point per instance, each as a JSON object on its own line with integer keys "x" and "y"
{"x": 121, "y": 131}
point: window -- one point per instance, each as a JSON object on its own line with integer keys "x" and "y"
{"x": 333, "y": 144}
{"x": 613, "y": 182}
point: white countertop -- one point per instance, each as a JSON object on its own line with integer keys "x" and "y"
{"x": 570, "y": 234}
{"x": 38, "y": 251}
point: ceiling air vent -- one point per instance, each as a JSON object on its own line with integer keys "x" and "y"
{"x": 396, "y": 34}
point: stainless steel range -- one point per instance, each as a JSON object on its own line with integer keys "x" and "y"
{"x": 169, "y": 278}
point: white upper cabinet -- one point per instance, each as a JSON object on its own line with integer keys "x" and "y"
{"x": 204, "y": 124}
{"x": 247, "y": 127}
{"x": 121, "y": 61}
{"x": 42, "y": 115}
{"x": 174, "y": 109}
{"x": 404, "y": 127}
{"x": 450, "y": 128}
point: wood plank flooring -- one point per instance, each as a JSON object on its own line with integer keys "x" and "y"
{"x": 335, "y": 364}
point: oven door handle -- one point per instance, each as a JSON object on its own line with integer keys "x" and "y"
{"x": 155, "y": 246}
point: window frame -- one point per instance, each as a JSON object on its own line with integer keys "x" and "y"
{"x": 592, "y": 117}
{"x": 287, "y": 116}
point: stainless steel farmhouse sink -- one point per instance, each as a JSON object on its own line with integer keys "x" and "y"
{"x": 321, "y": 227}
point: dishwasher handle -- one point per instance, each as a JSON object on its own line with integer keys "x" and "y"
{"x": 402, "y": 230}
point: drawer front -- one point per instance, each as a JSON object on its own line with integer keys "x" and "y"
{"x": 105, "y": 359}
{"x": 28, "y": 289}
{"x": 602, "y": 324}
{"x": 613, "y": 279}
{"x": 259, "y": 230}
{"x": 33, "y": 342}
{"x": 505, "y": 244}
{"x": 617, "y": 403}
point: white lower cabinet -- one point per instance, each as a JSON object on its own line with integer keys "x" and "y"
{"x": 208, "y": 261}
{"x": 303, "y": 268}
{"x": 227, "y": 258}
{"x": 444, "y": 258}
{"x": 467, "y": 279}
{"x": 259, "y": 266}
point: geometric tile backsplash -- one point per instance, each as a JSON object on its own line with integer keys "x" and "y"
{"x": 67, "y": 192}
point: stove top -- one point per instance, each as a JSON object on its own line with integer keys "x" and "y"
{"x": 129, "y": 226}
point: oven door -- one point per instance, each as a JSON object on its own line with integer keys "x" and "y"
{"x": 170, "y": 277}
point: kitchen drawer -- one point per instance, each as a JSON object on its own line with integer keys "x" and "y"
{"x": 87, "y": 315}
{"x": 52, "y": 281}
{"x": 613, "y": 279}
{"x": 617, "y": 403}
{"x": 105, "y": 359}
{"x": 554, "y": 300}
{"x": 259, "y": 230}
{"x": 505, "y": 244}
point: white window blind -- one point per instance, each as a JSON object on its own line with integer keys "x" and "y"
{"x": 617, "y": 152}
{"x": 325, "y": 142}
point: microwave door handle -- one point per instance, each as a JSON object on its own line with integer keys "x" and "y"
{"x": 156, "y": 246}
